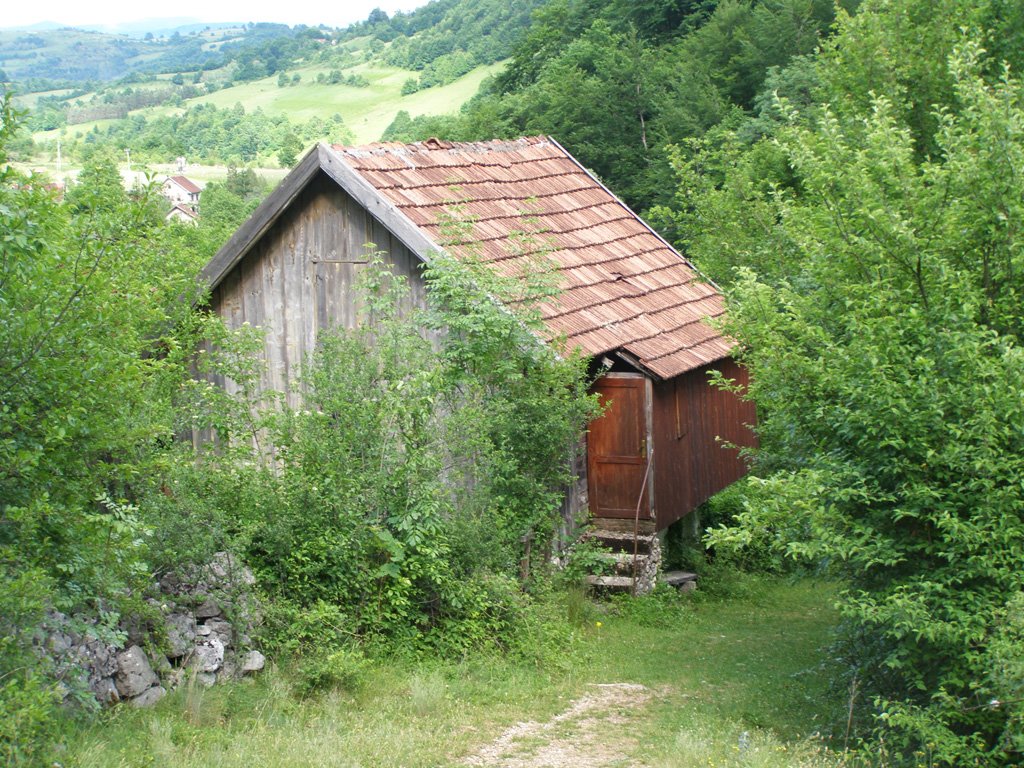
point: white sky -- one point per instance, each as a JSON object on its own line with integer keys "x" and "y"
{"x": 335, "y": 13}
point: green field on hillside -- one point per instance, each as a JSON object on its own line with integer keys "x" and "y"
{"x": 367, "y": 111}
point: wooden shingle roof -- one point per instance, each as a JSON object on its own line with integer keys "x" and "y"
{"x": 623, "y": 288}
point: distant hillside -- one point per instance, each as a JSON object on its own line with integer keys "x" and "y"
{"x": 441, "y": 41}
{"x": 69, "y": 55}
{"x": 270, "y": 88}
{"x": 161, "y": 27}
{"x": 447, "y": 38}
{"x": 46, "y": 59}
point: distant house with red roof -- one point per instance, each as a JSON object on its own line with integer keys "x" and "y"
{"x": 180, "y": 189}
{"x": 629, "y": 300}
{"x": 184, "y": 214}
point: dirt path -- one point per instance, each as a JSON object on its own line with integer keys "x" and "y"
{"x": 592, "y": 733}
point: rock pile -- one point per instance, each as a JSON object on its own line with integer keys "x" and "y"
{"x": 207, "y": 615}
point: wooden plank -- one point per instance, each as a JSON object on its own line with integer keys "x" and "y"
{"x": 358, "y": 233}
{"x": 345, "y": 301}
{"x": 307, "y": 293}
{"x": 291, "y": 275}
{"x": 229, "y": 300}
{"x": 694, "y": 466}
{"x": 649, "y": 469}
{"x": 239, "y": 244}
{"x": 320, "y": 294}
{"x": 273, "y": 316}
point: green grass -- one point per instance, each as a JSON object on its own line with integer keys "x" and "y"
{"x": 29, "y": 100}
{"x": 718, "y": 670}
{"x": 76, "y": 131}
{"x": 752, "y": 665}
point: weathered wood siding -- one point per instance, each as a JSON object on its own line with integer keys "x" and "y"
{"x": 298, "y": 279}
{"x": 692, "y": 420}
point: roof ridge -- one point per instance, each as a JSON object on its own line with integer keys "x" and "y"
{"x": 436, "y": 145}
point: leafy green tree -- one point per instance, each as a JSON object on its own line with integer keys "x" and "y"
{"x": 91, "y": 300}
{"x": 288, "y": 151}
{"x": 660, "y": 18}
{"x": 98, "y": 184}
{"x": 917, "y": 78}
{"x": 245, "y": 183}
{"x": 886, "y": 363}
{"x": 223, "y": 209}
{"x": 553, "y": 26}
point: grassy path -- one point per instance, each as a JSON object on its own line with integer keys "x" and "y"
{"x": 595, "y": 730}
{"x": 708, "y": 683}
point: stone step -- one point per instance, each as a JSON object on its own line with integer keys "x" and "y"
{"x": 610, "y": 583}
{"x": 622, "y": 562}
{"x": 684, "y": 581}
{"x": 622, "y": 525}
{"x": 621, "y": 541}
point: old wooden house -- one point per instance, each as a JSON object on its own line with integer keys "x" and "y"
{"x": 628, "y": 299}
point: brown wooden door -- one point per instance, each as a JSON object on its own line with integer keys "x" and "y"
{"x": 617, "y": 448}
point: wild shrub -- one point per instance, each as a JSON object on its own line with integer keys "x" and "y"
{"x": 1006, "y": 673}
{"x": 29, "y": 701}
{"x": 662, "y": 607}
{"x": 425, "y": 449}
{"x": 582, "y": 558}
{"x": 338, "y": 669}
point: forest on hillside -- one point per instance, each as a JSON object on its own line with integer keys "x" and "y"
{"x": 849, "y": 174}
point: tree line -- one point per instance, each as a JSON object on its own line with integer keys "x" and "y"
{"x": 208, "y": 134}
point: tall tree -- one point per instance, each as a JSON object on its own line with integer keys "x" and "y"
{"x": 886, "y": 361}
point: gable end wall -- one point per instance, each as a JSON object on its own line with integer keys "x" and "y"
{"x": 297, "y": 280}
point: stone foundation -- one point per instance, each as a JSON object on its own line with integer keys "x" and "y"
{"x": 204, "y": 618}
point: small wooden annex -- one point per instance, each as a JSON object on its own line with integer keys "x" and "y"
{"x": 636, "y": 306}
